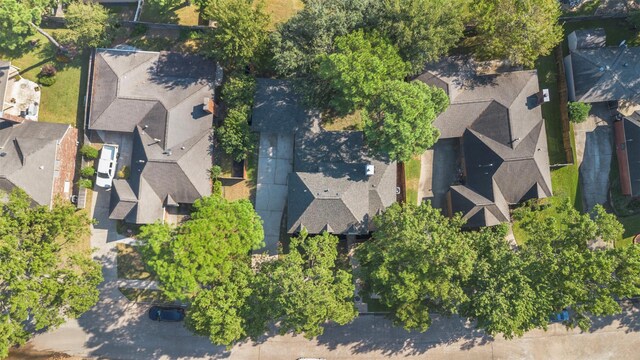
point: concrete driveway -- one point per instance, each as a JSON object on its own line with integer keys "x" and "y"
{"x": 275, "y": 162}
{"x": 439, "y": 168}
{"x": 594, "y": 150}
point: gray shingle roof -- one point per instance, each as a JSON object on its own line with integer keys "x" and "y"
{"x": 5, "y": 66}
{"x": 503, "y": 140}
{"x": 605, "y": 74}
{"x": 162, "y": 91}
{"x": 29, "y": 157}
{"x": 330, "y": 188}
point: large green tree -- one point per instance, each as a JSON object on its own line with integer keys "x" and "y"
{"x": 423, "y": 30}
{"x": 88, "y": 23}
{"x": 240, "y": 34}
{"x": 298, "y": 43}
{"x": 16, "y": 17}
{"x": 502, "y": 299}
{"x": 44, "y": 278}
{"x": 520, "y": 31}
{"x": 418, "y": 261}
{"x": 565, "y": 272}
{"x": 307, "y": 288}
{"x": 201, "y": 251}
{"x": 357, "y": 69}
{"x": 399, "y": 121}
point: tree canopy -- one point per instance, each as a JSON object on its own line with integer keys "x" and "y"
{"x": 357, "y": 69}
{"x": 307, "y": 288}
{"x": 298, "y": 43}
{"x": 200, "y": 251}
{"x": 240, "y": 34}
{"x": 88, "y": 23}
{"x": 423, "y": 30}
{"x": 45, "y": 277}
{"x": 399, "y": 120}
{"x": 418, "y": 262}
{"x": 520, "y": 31}
{"x": 15, "y": 19}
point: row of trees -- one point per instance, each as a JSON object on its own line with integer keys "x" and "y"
{"x": 45, "y": 277}
{"x": 206, "y": 262}
{"x": 420, "y": 262}
{"x": 351, "y": 55}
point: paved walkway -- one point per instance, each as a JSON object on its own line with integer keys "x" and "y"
{"x": 274, "y": 165}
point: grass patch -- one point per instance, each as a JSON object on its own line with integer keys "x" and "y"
{"x": 282, "y": 10}
{"x": 182, "y": 14}
{"x": 631, "y": 228}
{"x": 412, "y": 176}
{"x": 144, "y": 295}
{"x": 130, "y": 264}
{"x": 616, "y": 30}
{"x": 61, "y": 102}
{"x": 547, "y": 76}
{"x": 587, "y": 8}
{"x": 342, "y": 123}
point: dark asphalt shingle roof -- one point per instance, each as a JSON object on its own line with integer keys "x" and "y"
{"x": 329, "y": 186}
{"x": 503, "y": 139}
{"x": 163, "y": 91}
{"x": 277, "y": 108}
{"x": 5, "y": 66}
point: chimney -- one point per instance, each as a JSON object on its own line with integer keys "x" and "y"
{"x": 208, "y": 106}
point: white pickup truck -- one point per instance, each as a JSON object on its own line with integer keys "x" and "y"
{"x": 107, "y": 165}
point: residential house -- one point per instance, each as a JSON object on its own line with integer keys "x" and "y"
{"x": 20, "y": 97}
{"x": 496, "y": 123}
{"x": 158, "y": 106}
{"x": 39, "y": 158}
{"x": 597, "y": 73}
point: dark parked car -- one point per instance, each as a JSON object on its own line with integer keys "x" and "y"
{"x": 166, "y": 313}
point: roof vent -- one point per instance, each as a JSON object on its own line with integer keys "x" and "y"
{"x": 167, "y": 152}
{"x": 370, "y": 170}
{"x": 3, "y": 154}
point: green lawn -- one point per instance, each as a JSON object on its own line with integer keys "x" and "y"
{"x": 616, "y": 29}
{"x": 547, "y": 76}
{"x": 281, "y": 10}
{"x": 412, "y": 177}
{"x": 130, "y": 264}
{"x": 183, "y": 14}
{"x": 374, "y": 305}
{"x": 631, "y": 228}
{"x": 63, "y": 101}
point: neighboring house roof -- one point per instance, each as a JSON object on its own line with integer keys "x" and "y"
{"x": 627, "y": 136}
{"x": 604, "y": 74}
{"x": 5, "y": 68}
{"x": 161, "y": 99}
{"x": 503, "y": 139}
{"x": 587, "y": 38}
{"x": 277, "y": 109}
{"x": 28, "y": 157}
{"x": 330, "y": 190}
{"x": 161, "y": 92}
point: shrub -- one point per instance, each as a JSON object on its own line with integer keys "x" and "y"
{"x": 139, "y": 29}
{"x": 87, "y": 172}
{"x": 124, "y": 172}
{"x": 47, "y": 80}
{"x": 48, "y": 70}
{"x": 89, "y": 152}
{"x": 578, "y": 111}
{"x": 85, "y": 183}
{"x": 234, "y": 136}
{"x": 215, "y": 172}
{"x": 238, "y": 90}
{"x": 217, "y": 188}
